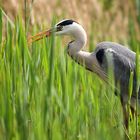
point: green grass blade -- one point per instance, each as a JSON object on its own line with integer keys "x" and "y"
{"x": 0, "y": 26}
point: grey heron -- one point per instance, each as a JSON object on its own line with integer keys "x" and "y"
{"x": 123, "y": 60}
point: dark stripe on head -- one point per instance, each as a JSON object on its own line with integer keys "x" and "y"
{"x": 65, "y": 22}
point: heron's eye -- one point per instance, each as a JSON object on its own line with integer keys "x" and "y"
{"x": 59, "y": 28}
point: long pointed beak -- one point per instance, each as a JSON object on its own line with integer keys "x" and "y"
{"x": 40, "y": 35}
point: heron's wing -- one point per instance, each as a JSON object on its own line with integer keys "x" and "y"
{"x": 120, "y": 49}
{"x": 123, "y": 61}
{"x": 123, "y": 66}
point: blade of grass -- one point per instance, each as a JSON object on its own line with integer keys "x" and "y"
{"x": 0, "y": 26}
{"x": 8, "y": 18}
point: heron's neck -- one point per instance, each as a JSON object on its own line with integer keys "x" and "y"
{"x": 80, "y": 40}
{"x": 86, "y": 59}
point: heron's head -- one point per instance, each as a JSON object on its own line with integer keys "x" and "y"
{"x": 64, "y": 27}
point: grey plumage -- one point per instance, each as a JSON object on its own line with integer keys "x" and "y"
{"x": 123, "y": 60}
{"x": 124, "y": 63}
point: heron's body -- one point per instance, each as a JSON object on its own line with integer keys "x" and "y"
{"x": 123, "y": 64}
{"x": 122, "y": 61}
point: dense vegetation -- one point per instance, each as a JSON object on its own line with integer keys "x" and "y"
{"x": 46, "y": 95}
